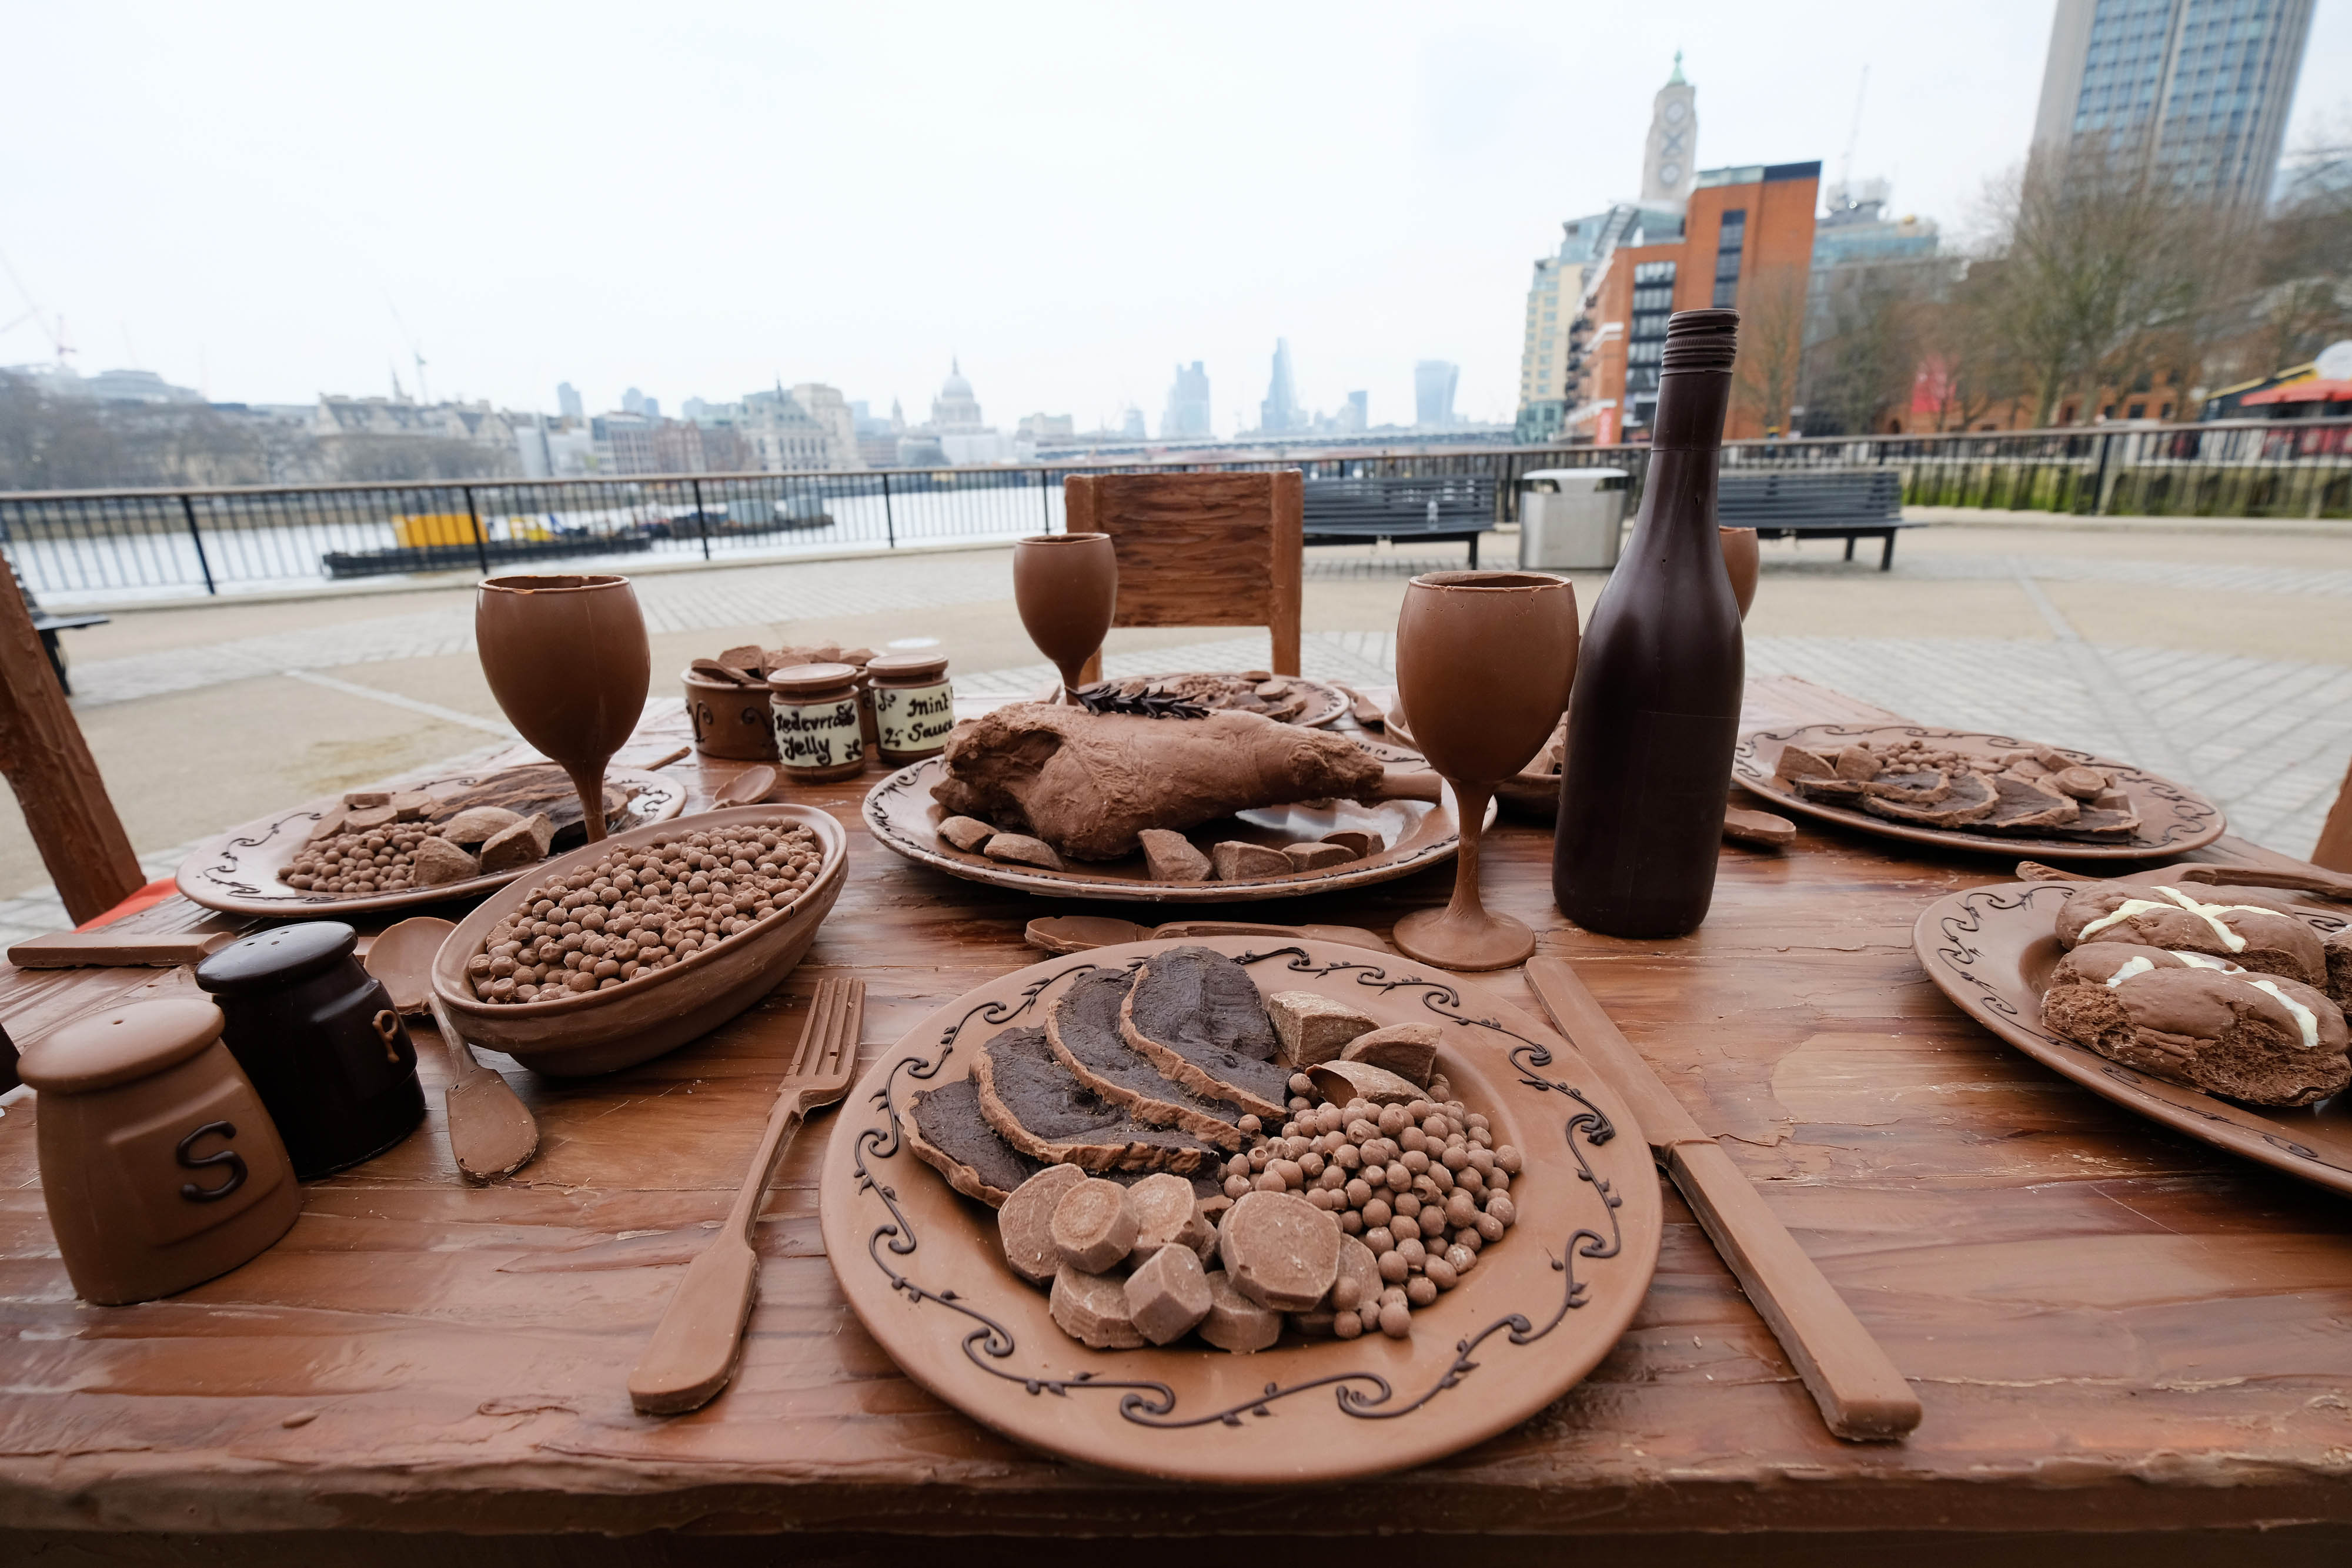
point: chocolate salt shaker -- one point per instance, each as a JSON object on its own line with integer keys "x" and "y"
{"x": 818, "y": 736}
{"x": 1655, "y": 715}
{"x": 914, "y": 705}
{"x": 318, "y": 1037}
{"x": 158, "y": 1166}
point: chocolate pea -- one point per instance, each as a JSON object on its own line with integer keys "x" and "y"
{"x": 1348, "y": 1325}
{"x": 1489, "y": 1227}
{"x": 1380, "y": 1239}
{"x": 1396, "y": 1322}
{"x": 1441, "y": 1274}
{"x": 1457, "y": 1258}
{"x": 1507, "y": 1158}
{"x": 1391, "y": 1121}
{"x": 1420, "y": 1292}
{"x": 1393, "y": 1266}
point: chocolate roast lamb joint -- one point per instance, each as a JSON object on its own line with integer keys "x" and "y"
{"x": 1090, "y": 784}
{"x": 1655, "y": 714}
{"x": 160, "y": 1167}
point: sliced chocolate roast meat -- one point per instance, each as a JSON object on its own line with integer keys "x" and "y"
{"x": 2026, "y": 806}
{"x": 1972, "y": 799}
{"x": 1198, "y": 1017}
{"x": 1911, "y": 787}
{"x": 1042, "y": 1110}
{"x": 948, "y": 1133}
{"x": 1083, "y": 1030}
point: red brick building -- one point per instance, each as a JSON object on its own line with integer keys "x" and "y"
{"x": 1746, "y": 241}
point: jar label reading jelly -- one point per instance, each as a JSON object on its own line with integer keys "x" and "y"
{"x": 914, "y": 718}
{"x": 818, "y": 734}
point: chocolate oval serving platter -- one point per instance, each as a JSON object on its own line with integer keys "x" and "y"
{"x": 2173, "y": 819}
{"x": 1991, "y": 950}
{"x": 237, "y": 871}
{"x": 905, "y": 819}
{"x": 924, "y": 1270}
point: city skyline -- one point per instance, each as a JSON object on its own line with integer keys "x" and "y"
{"x": 324, "y": 261}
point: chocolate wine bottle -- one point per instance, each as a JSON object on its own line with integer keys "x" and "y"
{"x": 1656, "y": 712}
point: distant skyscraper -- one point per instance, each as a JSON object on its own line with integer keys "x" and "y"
{"x": 2194, "y": 91}
{"x": 1130, "y": 425}
{"x": 633, "y": 402}
{"x": 1433, "y": 393}
{"x": 1670, "y": 156}
{"x": 1187, "y": 415}
{"x": 650, "y": 408}
{"x": 1358, "y": 415}
{"x": 1279, "y": 411}
{"x": 567, "y": 401}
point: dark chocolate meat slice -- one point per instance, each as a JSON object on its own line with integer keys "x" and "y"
{"x": 2026, "y": 806}
{"x": 1198, "y": 1015}
{"x": 1041, "y": 1109}
{"x": 949, "y": 1133}
{"x": 1083, "y": 1030}
{"x": 1972, "y": 799}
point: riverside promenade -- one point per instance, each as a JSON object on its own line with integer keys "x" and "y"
{"x": 2217, "y": 651}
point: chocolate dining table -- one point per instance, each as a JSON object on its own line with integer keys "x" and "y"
{"x": 2129, "y": 1346}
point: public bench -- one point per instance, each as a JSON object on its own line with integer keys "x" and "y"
{"x": 1800, "y": 503}
{"x": 1458, "y": 506}
{"x": 49, "y": 626}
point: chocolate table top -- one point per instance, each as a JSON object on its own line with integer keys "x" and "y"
{"x": 2111, "y": 1327}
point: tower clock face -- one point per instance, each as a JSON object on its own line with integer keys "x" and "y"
{"x": 1675, "y": 111}
{"x": 1670, "y": 173}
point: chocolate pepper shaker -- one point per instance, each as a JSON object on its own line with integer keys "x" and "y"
{"x": 158, "y": 1166}
{"x": 318, "y": 1037}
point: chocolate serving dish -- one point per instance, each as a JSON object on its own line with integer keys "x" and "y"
{"x": 601, "y": 1031}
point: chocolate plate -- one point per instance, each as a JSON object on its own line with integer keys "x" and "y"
{"x": 2173, "y": 820}
{"x": 923, "y": 1271}
{"x": 1992, "y": 950}
{"x": 904, "y": 819}
{"x": 237, "y": 871}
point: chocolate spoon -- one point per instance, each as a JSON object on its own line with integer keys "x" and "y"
{"x": 747, "y": 788}
{"x": 491, "y": 1132}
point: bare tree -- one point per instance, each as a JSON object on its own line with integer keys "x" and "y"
{"x": 1771, "y": 347}
{"x": 1866, "y": 352}
{"x": 2107, "y": 275}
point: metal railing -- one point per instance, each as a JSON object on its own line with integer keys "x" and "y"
{"x": 88, "y": 544}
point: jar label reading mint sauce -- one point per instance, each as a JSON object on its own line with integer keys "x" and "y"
{"x": 913, "y": 720}
{"x": 818, "y": 734}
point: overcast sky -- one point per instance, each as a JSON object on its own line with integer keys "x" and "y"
{"x": 701, "y": 200}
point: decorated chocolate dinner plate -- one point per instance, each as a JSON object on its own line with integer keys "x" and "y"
{"x": 237, "y": 871}
{"x": 923, "y": 1269}
{"x": 1416, "y": 834}
{"x": 2173, "y": 819}
{"x": 1991, "y": 949}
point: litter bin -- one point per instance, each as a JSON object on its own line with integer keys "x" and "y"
{"x": 1569, "y": 518}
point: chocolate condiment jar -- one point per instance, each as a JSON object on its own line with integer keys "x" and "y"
{"x": 318, "y": 1036}
{"x": 914, "y": 706}
{"x": 818, "y": 736}
{"x": 158, "y": 1166}
{"x": 730, "y": 721}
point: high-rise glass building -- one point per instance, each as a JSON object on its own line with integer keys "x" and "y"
{"x": 1187, "y": 415}
{"x": 1280, "y": 411}
{"x": 2195, "y": 92}
{"x": 1433, "y": 393}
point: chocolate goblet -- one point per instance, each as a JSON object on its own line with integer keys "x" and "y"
{"x": 566, "y": 657}
{"x": 1066, "y": 585}
{"x": 1743, "y": 560}
{"x": 1484, "y": 660}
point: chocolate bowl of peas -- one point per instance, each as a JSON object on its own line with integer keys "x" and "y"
{"x": 631, "y": 946}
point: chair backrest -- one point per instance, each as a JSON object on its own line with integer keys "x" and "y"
{"x": 57, "y": 786}
{"x": 1199, "y": 549}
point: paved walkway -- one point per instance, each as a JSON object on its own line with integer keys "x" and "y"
{"x": 2222, "y": 661}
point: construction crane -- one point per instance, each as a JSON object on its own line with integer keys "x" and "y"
{"x": 53, "y": 327}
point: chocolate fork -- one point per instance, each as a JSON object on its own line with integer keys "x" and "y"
{"x": 694, "y": 1349}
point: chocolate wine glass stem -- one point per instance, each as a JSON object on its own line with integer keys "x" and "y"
{"x": 1466, "y": 906}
